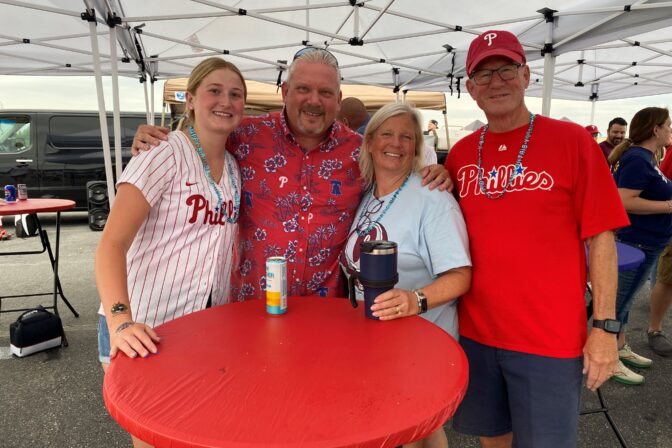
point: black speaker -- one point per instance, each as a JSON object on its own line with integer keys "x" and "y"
{"x": 97, "y": 203}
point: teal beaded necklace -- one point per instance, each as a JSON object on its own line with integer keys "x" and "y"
{"x": 387, "y": 207}
{"x": 232, "y": 180}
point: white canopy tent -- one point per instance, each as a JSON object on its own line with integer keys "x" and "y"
{"x": 577, "y": 49}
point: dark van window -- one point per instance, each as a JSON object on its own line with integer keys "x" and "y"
{"x": 75, "y": 132}
{"x": 14, "y": 134}
{"x": 84, "y": 132}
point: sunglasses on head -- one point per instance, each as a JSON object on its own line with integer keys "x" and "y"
{"x": 307, "y": 50}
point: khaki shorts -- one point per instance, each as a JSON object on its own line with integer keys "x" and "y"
{"x": 664, "y": 273}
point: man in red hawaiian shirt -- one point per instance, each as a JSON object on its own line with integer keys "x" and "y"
{"x": 301, "y": 183}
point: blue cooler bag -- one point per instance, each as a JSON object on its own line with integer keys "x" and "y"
{"x": 34, "y": 331}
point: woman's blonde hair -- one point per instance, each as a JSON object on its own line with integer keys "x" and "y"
{"x": 388, "y": 111}
{"x": 199, "y": 73}
{"x": 641, "y": 129}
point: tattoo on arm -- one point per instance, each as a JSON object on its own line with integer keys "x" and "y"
{"x": 123, "y": 326}
{"x": 119, "y": 308}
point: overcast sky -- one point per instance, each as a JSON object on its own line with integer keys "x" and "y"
{"x": 79, "y": 93}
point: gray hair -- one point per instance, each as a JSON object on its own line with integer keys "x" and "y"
{"x": 317, "y": 55}
{"x": 388, "y": 111}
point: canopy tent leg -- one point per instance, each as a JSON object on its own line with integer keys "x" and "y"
{"x": 115, "y": 101}
{"x": 549, "y": 63}
{"x": 90, "y": 16}
{"x": 151, "y": 103}
{"x": 593, "y": 99}
{"x": 445, "y": 123}
{"x": 144, "y": 84}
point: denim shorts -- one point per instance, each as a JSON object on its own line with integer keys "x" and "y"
{"x": 103, "y": 340}
{"x": 536, "y": 397}
{"x": 630, "y": 282}
{"x": 104, "y": 336}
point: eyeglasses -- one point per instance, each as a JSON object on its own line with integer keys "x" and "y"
{"x": 307, "y": 50}
{"x": 372, "y": 208}
{"x": 506, "y": 73}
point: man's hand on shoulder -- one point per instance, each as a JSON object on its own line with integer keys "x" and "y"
{"x": 436, "y": 176}
{"x": 148, "y": 136}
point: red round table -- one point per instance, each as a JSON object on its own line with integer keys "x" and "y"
{"x": 37, "y": 206}
{"x": 321, "y": 375}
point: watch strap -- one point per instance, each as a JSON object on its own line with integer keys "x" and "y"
{"x": 422, "y": 301}
{"x": 609, "y": 325}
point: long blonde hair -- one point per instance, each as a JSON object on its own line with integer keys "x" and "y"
{"x": 198, "y": 74}
{"x": 641, "y": 129}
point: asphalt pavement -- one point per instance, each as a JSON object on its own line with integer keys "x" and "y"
{"x": 54, "y": 399}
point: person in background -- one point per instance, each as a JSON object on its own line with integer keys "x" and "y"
{"x": 593, "y": 131}
{"x": 647, "y": 197}
{"x": 167, "y": 247}
{"x": 615, "y": 135}
{"x": 432, "y": 134}
{"x": 661, "y": 299}
{"x": 530, "y": 211}
{"x": 353, "y": 114}
{"x": 301, "y": 183}
{"x": 434, "y": 264}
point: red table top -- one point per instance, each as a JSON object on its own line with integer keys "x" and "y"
{"x": 36, "y": 206}
{"x": 321, "y": 375}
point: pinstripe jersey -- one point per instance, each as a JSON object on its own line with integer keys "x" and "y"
{"x": 184, "y": 249}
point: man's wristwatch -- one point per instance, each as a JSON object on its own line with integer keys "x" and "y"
{"x": 608, "y": 325}
{"x": 422, "y": 301}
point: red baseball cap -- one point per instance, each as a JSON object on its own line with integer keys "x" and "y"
{"x": 592, "y": 129}
{"x": 494, "y": 43}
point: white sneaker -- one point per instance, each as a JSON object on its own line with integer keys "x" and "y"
{"x": 632, "y": 359}
{"x": 627, "y": 376}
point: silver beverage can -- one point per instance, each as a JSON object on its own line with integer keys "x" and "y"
{"x": 276, "y": 285}
{"x": 22, "y": 192}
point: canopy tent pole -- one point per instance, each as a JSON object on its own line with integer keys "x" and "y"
{"x": 151, "y": 103}
{"x": 445, "y": 121}
{"x": 549, "y": 62}
{"x": 163, "y": 114}
{"x": 143, "y": 80}
{"x": 115, "y": 101}
{"x": 593, "y": 99}
{"x": 90, "y": 16}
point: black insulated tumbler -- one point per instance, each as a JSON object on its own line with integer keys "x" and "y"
{"x": 378, "y": 270}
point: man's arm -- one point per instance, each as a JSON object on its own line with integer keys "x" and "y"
{"x": 148, "y": 136}
{"x": 600, "y": 352}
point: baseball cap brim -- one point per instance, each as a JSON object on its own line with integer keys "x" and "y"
{"x": 515, "y": 57}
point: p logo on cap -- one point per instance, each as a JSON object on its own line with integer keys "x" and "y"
{"x": 489, "y": 37}
{"x": 494, "y": 43}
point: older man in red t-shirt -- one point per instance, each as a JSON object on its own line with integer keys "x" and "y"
{"x": 530, "y": 206}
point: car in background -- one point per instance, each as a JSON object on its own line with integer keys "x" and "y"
{"x": 55, "y": 153}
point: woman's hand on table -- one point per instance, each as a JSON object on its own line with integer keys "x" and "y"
{"x": 394, "y": 304}
{"x": 133, "y": 339}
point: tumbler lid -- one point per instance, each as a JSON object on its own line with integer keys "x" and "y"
{"x": 378, "y": 247}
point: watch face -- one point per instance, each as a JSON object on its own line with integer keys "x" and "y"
{"x": 612, "y": 326}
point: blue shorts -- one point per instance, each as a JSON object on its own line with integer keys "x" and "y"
{"x": 535, "y": 397}
{"x": 104, "y": 336}
{"x": 103, "y": 340}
